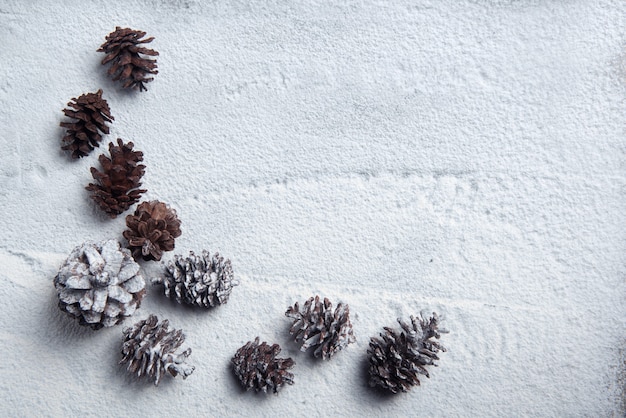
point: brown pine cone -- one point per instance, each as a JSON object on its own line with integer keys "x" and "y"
{"x": 129, "y": 66}
{"x": 152, "y": 230}
{"x": 256, "y": 366}
{"x": 91, "y": 113}
{"x": 117, "y": 184}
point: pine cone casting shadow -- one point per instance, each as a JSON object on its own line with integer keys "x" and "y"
{"x": 318, "y": 326}
{"x": 399, "y": 357}
{"x": 205, "y": 280}
{"x": 256, "y": 366}
{"x": 128, "y": 65}
{"x": 152, "y": 230}
{"x": 117, "y": 186}
{"x": 91, "y": 114}
{"x": 149, "y": 348}
{"x": 100, "y": 284}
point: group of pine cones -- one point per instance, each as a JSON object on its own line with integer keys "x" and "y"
{"x": 100, "y": 284}
{"x": 154, "y": 226}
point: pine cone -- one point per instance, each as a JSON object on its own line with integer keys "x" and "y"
{"x": 317, "y": 326}
{"x": 149, "y": 349}
{"x": 198, "y": 280}
{"x": 129, "y": 66}
{"x": 100, "y": 284}
{"x": 152, "y": 230}
{"x": 91, "y": 113}
{"x": 397, "y": 360}
{"x": 256, "y": 366}
{"x": 117, "y": 186}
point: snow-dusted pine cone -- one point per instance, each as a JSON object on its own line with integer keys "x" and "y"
{"x": 399, "y": 357}
{"x": 317, "y": 325}
{"x": 256, "y": 366}
{"x": 91, "y": 114}
{"x": 100, "y": 284}
{"x": 205, "y": 280}
{"x": 152, "y": 230}
{"x": 117, "y": 185}
{"x": 149, "y": 348}
{"x": 128, "y": 62}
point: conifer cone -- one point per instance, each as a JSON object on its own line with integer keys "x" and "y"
{"x": 318, "y": 326}
{"x": 117, "y": 186}
{"x": 152, "y": 230}
{"x": 256, "y": 366}
{"x": 91, "y": 114}
{"x": 399, "y": 357}
{"x": 129, "y": 65}
{"x": 100, "y": 284}
{"x": 149, "y": 348}
{"x": 205, "y": 280}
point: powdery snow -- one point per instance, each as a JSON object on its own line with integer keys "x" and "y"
{"x": 400, "y": 156}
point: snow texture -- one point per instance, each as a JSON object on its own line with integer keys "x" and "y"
{"x": 463, "y": 157}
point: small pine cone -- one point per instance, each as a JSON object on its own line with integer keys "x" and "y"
{"x": 149, "y": 349}
{"x": 91, "y": 113}
{"x": 117, "y": 186}
{"x": 100, "y": 284}
{"x": 152, "y": 230}
{"x": 256, "y": 366}
{"x": 318, "y": 326}
{"x": 398, "y": 357}
{"x": 129, "y": 66}
{"x": 198, "y": 280}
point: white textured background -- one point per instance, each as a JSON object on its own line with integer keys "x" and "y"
{"x": 466, "y": 157}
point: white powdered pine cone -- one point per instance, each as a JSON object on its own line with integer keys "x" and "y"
{"x": 256, "y": 366}
{"x": 398, "y": 358}
{"x": 149, "y": 349}
{"x": 317, "y": 325}
{"x": 205, "y": 280}
{"x": 100, "y": 284}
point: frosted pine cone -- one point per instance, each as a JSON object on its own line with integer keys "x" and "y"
{"x": 256, "y": 366}
{"x": 198, "y": 280}
{"x": 128, "y": 62}
{"x": 152, "y": 230}
{"x": 149, "y": 348}
{"x": 117, "y": 186}
{"x": 399, "y": 357}
{"x": 100, "y": 284}
{"x": 91, "y": 114}
{"x": 318, "y": 326}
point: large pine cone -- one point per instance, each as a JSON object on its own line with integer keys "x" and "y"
{"x": 204, "y": 280}
{"x": 152, "y": 230}
{"x": 100, "y": 284}
{"x": 256, "y": 366}
{"x": 318, "y": 326}
{"x": 399, "y": 357}
{"x": 149, "y": 348}
{"x": 91, "y": 113}
{"x": 117, "y": 186}
{"x": 128, "y": 64}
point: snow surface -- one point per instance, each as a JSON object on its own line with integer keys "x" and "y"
{"x": 463, "y": 157}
